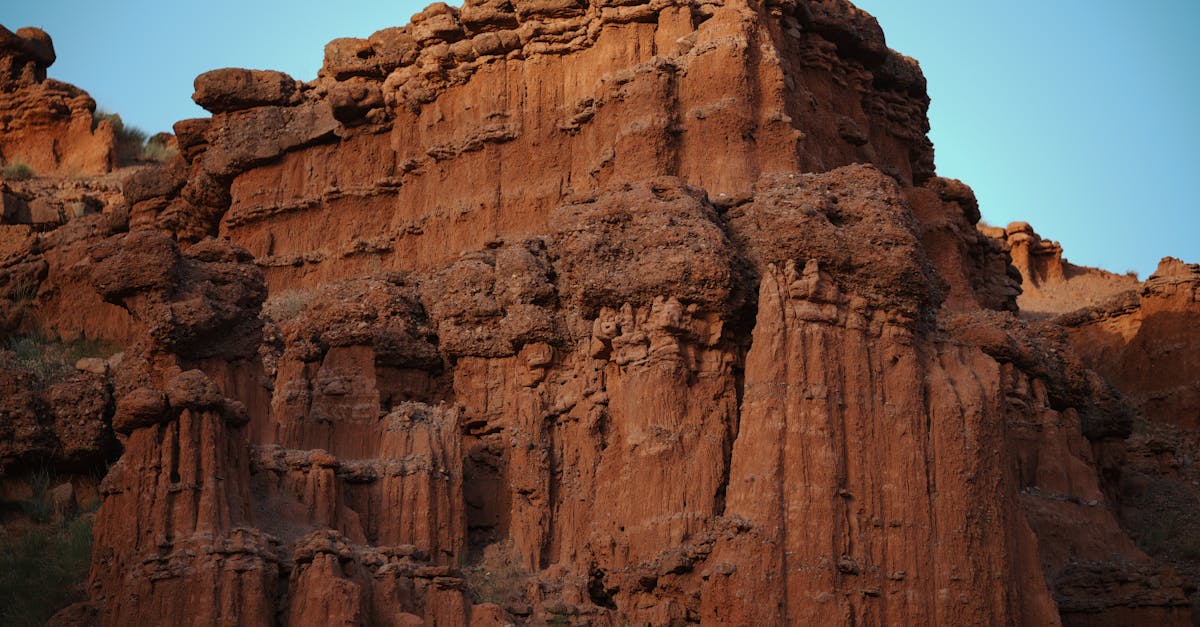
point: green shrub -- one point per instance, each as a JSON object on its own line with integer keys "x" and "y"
{"x": 18, "y": 171}
{"x": 44, "y": 570}
{"x": 1169, "y": 533}
{"x": 157, "y": 151}
{"x": 131, "y": 140}
{"x": 38, "y": 506}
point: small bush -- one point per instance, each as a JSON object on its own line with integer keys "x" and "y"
{"x": 131, "y": 140}
{"x": 1169, "y": 534}
{"x": 22, "y": 290}
{"x": 18, "y": 171}
{"x": 157, "y": 151}
{"x": 50, "y": 361}
{"x": 43, "y": 571}
{"x": 286, "y": 305}
{"x": 38, "y": 506}
{"x": 497, "y": 578}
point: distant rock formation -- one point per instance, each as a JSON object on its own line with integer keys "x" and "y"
{"x": 1049, "y": 283}
{"x": 1144, "y": 342}
{"x": 1142, "y": 338}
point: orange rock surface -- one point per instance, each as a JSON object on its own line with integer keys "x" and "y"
{"x": 601, "y": 313}
{"x": 46, "y": 124}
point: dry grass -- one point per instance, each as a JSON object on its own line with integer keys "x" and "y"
{"x": 286, "y": 305}
{"x": 17, "y": 171}
{"x": 133, "y": 144}
{"x": 155, "y": 150}
{"x": 498, "y": 577}
{"x": 50, "y": 361}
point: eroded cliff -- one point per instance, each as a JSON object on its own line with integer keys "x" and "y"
{"x": 564, "y": 313}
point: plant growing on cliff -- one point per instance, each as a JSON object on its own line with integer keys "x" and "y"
{"x": 50, "y": 361}
{"x": 38, "y": 506}
{"x": 22, "y": 290}
{"x": 156, "y": 150}
{"x": 1169, "y": 534}
{"x": 18, "y": 171}
{"x": 498, "y": 577}
{"x": 286, "y": 305}
{"x": 131, "y": 140}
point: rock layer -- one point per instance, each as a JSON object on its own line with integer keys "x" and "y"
{"x": 1142, "y": 341}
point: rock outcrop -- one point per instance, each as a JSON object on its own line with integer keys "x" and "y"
{"x": 1143, "y": 342}
{"x": 1051, "y": 285}
{"x": 595, "y": 313}
{"x": 399, "y": 153}
{"x": 47, "y": 124}
{"x": 64, "y": 424}
{"x": 1140, "y": 338}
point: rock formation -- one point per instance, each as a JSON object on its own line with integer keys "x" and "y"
{"x": 1141, "y": 337}
{"x": 1143, "y": 341}
{"x": 600, "y": 313}
{"x": 1051, "y": 285}
{"x": 46, "y": 124}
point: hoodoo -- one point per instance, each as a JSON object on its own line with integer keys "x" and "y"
{"x": 583, "y": 313}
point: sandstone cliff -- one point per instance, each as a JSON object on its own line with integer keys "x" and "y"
{"x": 564, "y": 313}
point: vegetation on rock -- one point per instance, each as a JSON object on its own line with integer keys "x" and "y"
{"x": 17, "y": 171}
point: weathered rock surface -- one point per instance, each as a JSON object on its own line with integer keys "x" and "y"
{"x": 191, "y": 303}
{"x": 46, "y": 124}
{"x": 233, "y": 89}
{"x": 1143, "y": 341}
{"x": 428, "y": 121}
{"x": 66, "y": 424}
{"x": 556, "y": 312}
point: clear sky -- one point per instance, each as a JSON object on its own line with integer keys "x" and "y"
{"x": 1079, "y": 116}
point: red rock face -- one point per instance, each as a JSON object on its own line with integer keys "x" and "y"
{"x": 1140, "y": 338}
{"x": 842, "y": 459}
{"x": 569, "y": 313}
{"x": 579, "y": 98}
{"x": 46, "y": 124}
{"x": 1138, "y": 335}
{"x": 1143, "y": 342}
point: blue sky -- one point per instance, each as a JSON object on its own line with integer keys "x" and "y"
{"x": 1079, "y": 116}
